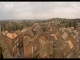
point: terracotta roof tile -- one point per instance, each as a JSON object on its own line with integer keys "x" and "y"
{"x": 11, "y": 35}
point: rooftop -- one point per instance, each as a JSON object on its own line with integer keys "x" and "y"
{"x": 72, "y": 40}
{"x": 54, "y": 36}
{"x": 4, "y": 32}
{"x": 12, "y": 35}
{"x": 18, "y": 32}
{"x": 27, "y": 39}
{"x": 70, "y": 44}
{"x": 46, "y": 34}
{"x": 64, "y": 36}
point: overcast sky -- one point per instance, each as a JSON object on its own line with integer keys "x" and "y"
{"x": 39, "y": 10}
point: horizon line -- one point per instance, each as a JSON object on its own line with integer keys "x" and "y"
{"x": 38, "y": 19}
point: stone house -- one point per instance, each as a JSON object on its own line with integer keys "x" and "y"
{"x": 46, "y": 46}
{"x": 31, "y": 44}
{"x": 13, "y": 42}
{"x": 70, "y": 47}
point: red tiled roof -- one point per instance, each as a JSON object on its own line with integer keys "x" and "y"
{"x": 11, "y": 35}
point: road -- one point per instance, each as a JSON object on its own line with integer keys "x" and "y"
{"x": 20, "y": 55}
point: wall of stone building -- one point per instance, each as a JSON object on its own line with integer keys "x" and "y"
{"x": 21, "y": 41}
{"x": 28, "y": 50}
{"x": 12, "y": 46}
{"x": 9, "y": 44}
{"x": 36, "y": 47}
{"x": 29, "y": 56}
{"x": 3, "y": 37}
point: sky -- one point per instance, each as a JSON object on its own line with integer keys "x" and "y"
{"x": 39, "y": 10}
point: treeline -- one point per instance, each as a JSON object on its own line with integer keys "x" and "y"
{"x": 13, "y": 26}
{"x": 67, "y": 22}
{"x": 19, "y": 25}
{"x": 70, "y": 23}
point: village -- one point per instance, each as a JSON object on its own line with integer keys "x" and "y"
{"x": 43, "y": 40}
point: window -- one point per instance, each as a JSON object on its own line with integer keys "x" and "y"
{"x": 17, "y": 40}
{"x": 32, "y": 51}
{"x": 17, "y": 44}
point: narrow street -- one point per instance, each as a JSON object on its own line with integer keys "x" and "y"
{"x": 74, "y": 55}
{"x": 22, "y": 53}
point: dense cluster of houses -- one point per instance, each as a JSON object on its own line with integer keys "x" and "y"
{"x": 55, "y": 42}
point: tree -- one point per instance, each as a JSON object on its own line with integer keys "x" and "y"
{"x": 74, "y": 24}
{"x": 69, "y": 24}
{"x": 44, "y": 29}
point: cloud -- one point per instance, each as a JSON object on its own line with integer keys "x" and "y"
{"x": 39, "y": 10}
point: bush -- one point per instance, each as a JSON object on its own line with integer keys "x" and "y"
{"x": 44, "y": 29}
{"x": 35, "y": 57}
